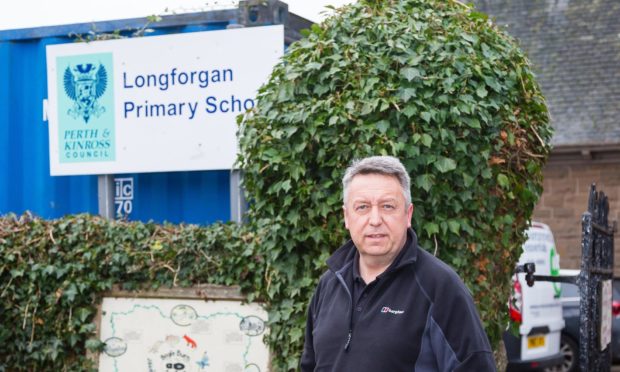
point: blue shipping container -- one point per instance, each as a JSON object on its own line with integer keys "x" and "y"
{"x": 200, "y": 197}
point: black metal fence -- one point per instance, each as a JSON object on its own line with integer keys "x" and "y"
{"x": 594, "y": 282}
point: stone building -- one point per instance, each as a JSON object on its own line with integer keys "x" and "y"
{"x": 574, "y": 46}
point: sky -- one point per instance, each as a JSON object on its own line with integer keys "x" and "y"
{"x": 38, "y": 13}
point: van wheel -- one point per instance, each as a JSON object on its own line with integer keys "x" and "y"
{"x": 570, "y": 350}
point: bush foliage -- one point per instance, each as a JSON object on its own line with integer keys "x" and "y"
{"x": 53, "y": 275}
{"x": 431, "y": 82}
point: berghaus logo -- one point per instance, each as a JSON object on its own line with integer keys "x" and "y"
{"x": 386, "y": 309}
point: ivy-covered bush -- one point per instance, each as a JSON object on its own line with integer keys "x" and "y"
{"x": 431, "y": 82}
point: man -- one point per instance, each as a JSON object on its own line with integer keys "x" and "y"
{"x": 385, "y": 304}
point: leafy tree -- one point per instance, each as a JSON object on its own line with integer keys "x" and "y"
{"x": 432, "y": 82}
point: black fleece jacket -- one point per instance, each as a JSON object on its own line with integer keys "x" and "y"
{"x": 417, "y": 316}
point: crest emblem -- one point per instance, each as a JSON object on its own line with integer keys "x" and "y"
{"x": 84, "y": 84}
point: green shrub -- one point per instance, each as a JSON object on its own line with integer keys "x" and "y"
{"x": 431, "y": 82}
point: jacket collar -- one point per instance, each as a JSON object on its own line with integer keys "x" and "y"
{"x": 343, "y": 257}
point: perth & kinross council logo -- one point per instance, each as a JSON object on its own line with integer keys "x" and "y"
{"x": 84, "y": 84}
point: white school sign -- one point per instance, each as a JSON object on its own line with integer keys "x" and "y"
{"x": 155, "y": 104}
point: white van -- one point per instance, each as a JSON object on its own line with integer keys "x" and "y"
{"x": 537, "y": 310}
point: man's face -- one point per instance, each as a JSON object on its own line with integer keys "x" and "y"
{"x": 377, "y": 215}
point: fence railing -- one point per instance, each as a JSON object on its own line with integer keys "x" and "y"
{"x": 594, "y": 281}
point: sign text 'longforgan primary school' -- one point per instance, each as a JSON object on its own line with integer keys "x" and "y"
{"x": 155, "y": 104}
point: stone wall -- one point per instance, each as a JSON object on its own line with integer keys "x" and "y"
{"x": 565, "y": 199}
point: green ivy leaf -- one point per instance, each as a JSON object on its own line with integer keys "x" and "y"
{"x": 406, "y": 94}
{"x": 427, "y": 140}
{"x": 469, "y": 37}
{"x": 286, "y": 185}
{"x": 410, "y": 73}
{"x": 410, "y": 110}
{"x": 426, "y": 116}
{"x": 383, "y": 126}
{"x": 481, "y": 92}
{"x": 503, "y": 181}
{"x": 431, "y": 228}
{"x": 424, "y": 181}
{"x": 444, "y": 164}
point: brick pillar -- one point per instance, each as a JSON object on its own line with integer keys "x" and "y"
{"x": 565, "y": 199}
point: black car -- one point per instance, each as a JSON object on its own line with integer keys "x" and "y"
{"x": 569, "y": 344}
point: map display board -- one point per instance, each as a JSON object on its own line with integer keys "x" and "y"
{"x": 157, "y": 335}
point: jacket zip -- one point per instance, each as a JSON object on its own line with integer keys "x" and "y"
{"x": 350, "y": 334}
{"x": 347, "y": 344}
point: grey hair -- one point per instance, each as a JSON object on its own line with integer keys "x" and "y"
{"x": 386, "y": 165}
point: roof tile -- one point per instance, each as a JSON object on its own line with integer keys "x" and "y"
{"x": 574, "y": 47}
